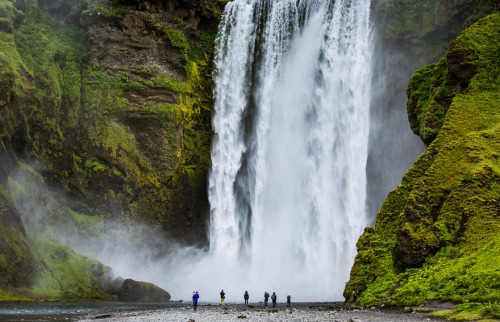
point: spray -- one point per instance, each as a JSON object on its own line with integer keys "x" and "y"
{"x": 287, "y": 187}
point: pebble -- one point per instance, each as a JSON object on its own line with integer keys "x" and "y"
{"x": 238, "y": 313}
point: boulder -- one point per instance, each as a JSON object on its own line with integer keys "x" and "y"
{"x": 134, "y": 291}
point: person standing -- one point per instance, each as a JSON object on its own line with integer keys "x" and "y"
{"x": 273, "y": 298}
{"x": 222, "y": 297}
{"x": 196, "y": 296}
{"x": 288, "y": 301}
{"x": 246, "y": 297}
{"x": 266, "y": 298}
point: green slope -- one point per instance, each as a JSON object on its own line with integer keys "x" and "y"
{"x": 437, "y": 235}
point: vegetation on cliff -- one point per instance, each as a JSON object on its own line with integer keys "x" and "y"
{"x": 421, "y": 30}
{"x": 436, "y": 235}
{"x": 63, "y": 274}
{"x": 405, "y": 19}
{"x": 106, "y": 109}
{"x": 16, "y": 259}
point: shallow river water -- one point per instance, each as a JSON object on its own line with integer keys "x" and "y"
{"x": 175, "y": 311}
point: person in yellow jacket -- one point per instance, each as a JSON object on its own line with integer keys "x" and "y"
{"x": 222, "y": 297}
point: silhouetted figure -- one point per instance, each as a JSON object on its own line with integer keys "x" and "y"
{"x": 246, "y": 297}
{"x": 354, "y": 295}
{"x": 288, "y": 301}
{"x": 266, "y": 298}
{"x": 222, "y": 297}
{"x": 196, "y": 296}
{"x": 273, "y": 298}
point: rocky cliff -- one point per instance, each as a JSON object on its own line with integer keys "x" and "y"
{"x": 105, "y": 119}
{"x": 436, "y": 235}
{"x": 408, "y": 34}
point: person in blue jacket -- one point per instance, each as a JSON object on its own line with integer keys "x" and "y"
{"x": 273, "y": 298}
{"x": 196, "y": 296}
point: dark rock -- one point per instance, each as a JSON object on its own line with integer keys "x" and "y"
{"x": 103, "y": 277}
{"x": 102, "y": 316}
{"x": 134, "y": 291}
{"x": 20, "y": 5}
{"x": 16, "y": 261}
{"x": 460, "y": 66}
{"x": 116, "y": 285}
{"x": 62, "y": 10}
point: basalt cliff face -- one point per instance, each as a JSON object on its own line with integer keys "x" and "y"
{"x": 436, "y": 236}
{"x": 105, "y": 121}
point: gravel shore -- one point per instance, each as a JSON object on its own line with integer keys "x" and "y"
{"x": 237, "y": 312}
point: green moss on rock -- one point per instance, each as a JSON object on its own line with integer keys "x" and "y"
{"x": 440, "y": 226}
{"x": 63, "y": 274}
{"x": 133, "y": 291}
{"x": 16, "y": 262}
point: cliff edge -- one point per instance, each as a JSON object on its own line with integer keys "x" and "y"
{"x": 436, "y": 236}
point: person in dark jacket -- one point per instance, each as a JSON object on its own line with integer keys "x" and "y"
{"x": 266, "y": 298}
{"x": 222, "y": 297}
{"x": 196, "y": 296}
{"x": 273, "y": 298}
{"x": 246, "y": 297}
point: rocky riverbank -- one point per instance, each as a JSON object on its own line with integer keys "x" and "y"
{"x": 298, "y": 312}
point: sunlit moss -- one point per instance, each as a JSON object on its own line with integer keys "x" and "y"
{"x": 6, "y": 296}
{"x": 177, "y": 39}
{"x": 164, "y": 82}
{"x": 441, "y": 224}
{"x": 64, "y": 274}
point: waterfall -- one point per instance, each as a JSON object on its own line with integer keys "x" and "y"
{"x": 287, "y": 188}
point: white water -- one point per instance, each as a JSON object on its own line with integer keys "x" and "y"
{"x": 288, "y": 185}
{"x": 287, "y": 188}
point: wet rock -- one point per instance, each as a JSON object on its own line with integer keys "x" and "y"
{"x": 102, "y": 316}
{"x": 16, "y": 261}
{"x": 134, "y": 291}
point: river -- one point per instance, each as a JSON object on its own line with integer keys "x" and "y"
{"x": 182, "y": 312}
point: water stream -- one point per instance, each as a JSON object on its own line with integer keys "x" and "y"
{"x": 288, "y": 183}
{"x": 287, "y": 188}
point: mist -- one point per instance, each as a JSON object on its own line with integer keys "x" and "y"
{"x": 288, "y": 184}
{"x": 393, "y": 147}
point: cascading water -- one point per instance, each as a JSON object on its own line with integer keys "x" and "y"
{"x": 287, "y": 188}
{"x": 288, "y": 184}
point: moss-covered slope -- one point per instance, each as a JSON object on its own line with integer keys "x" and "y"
{"x": 105, "y": 118}
{"x": 16, "y": 260}
{"x": 437, "y": 235}
{"x": 63, "y": 274}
